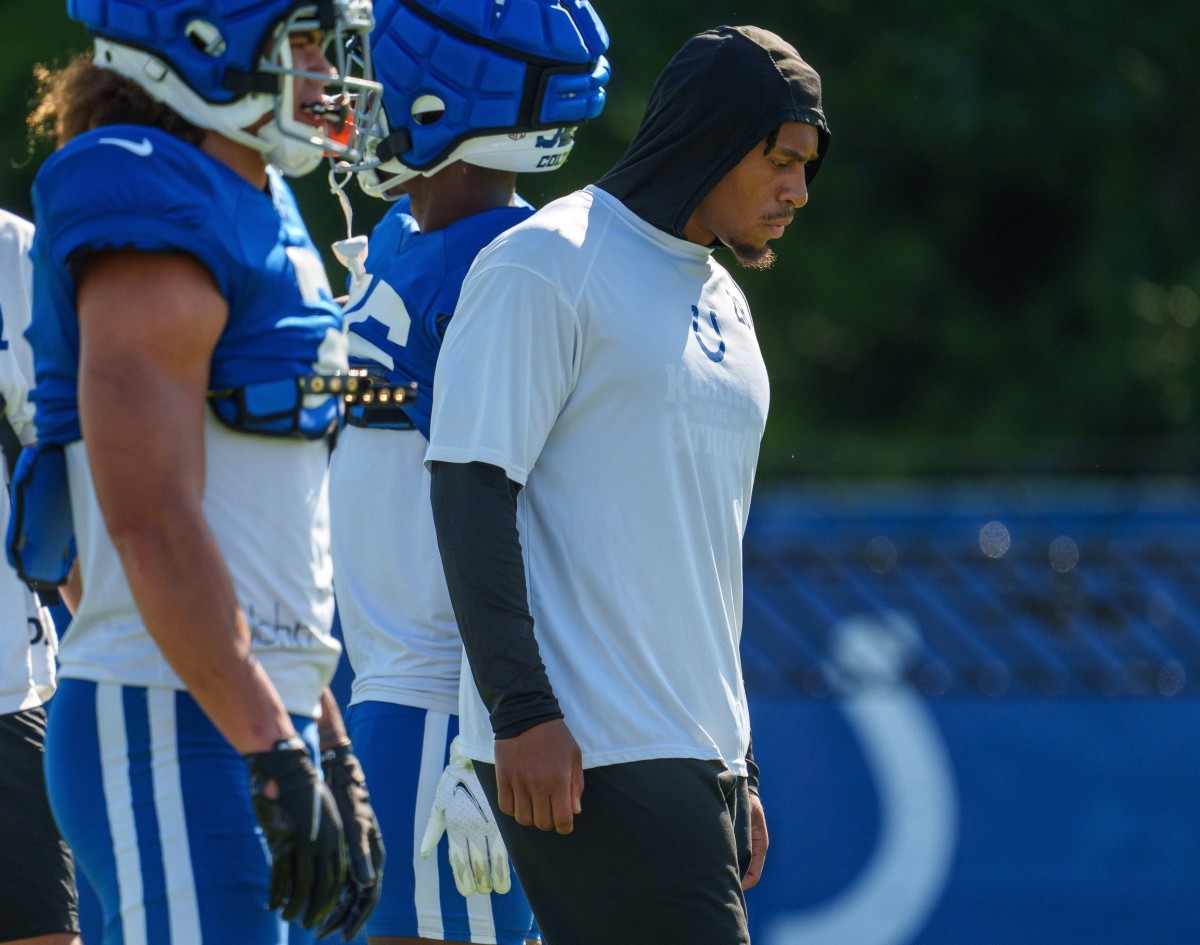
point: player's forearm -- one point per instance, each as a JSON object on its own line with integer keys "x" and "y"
{"x": 331, "y": 727}
{"x": 474, "y": 512}
{"x": 142, "y": 384}
{"x": 71, "y": 592}
{"x": 186, "y": 597}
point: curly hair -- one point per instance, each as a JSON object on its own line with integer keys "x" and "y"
{"x": 82, "y": 96}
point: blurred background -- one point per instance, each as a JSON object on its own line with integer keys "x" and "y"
{"x": 972, "y": 632}
{"x": 998, "y": 271}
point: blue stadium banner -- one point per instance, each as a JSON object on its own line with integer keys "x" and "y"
{"x": 976, "y": 712}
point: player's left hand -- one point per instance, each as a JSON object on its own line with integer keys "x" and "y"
{"x": 364, "y": 845}
{"x": 478, "y": 856}
{"x": 758, "y": 842}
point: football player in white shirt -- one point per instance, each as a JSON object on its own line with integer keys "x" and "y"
{"x": 462, "y": 124}
{"x": 38, "y": 902}
{"x": 598, "y": 408}
{"x": 184, "y": 338}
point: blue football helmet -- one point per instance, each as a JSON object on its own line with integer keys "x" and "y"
{"x": 225, "y": 64}
{"x": 497, "y": 83}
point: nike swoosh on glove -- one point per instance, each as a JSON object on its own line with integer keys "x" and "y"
{"x": 478, "y": 856}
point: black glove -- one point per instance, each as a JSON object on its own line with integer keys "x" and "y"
{"x": 303, "y": 830}
{"x": 364, "y": 845}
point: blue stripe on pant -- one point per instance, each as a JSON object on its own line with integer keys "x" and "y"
{"x": 135, "y": 703}
{"x": 403, "y": 750}
{"x": 154, "y": 803}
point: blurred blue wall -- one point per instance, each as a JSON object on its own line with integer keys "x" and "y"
{"x": 976, "y": 712}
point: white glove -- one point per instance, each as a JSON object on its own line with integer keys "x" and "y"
{"x": 43, "y": 648}
{"x": 478, "y": 857}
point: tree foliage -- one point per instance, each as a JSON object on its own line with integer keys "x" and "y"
{"x": 999, "y": 267}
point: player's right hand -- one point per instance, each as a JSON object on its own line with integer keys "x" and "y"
{"x": 303, "y": 831}
{"x": 539, "y": 777}
{"x": 478, "y": 856}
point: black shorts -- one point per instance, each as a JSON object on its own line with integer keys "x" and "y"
{"x": 656, "y": 857}
{"x": 37, "y": 875}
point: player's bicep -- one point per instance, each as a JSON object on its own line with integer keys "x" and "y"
{"x": 148, "y": 325}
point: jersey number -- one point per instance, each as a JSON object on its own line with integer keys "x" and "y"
{"x": 378, "y": 324}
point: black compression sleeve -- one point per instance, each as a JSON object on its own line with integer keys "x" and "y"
{"x": 475, "y": 516}
{"x": 751, "y": 769}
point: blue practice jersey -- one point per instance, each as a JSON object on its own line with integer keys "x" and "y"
{"x": 131, "y": 186}
{"x": 399, "y": 321}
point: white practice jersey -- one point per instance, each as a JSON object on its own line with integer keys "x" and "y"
{"x": 399, "y": 628}
{"x": 397, "y": 620}
{"x": 27, "y": 641}
{"x": 279, "y": 559}
{"x": 613, "y": 370}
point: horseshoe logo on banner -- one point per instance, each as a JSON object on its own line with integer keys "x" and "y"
{"x": 893, "y": 895}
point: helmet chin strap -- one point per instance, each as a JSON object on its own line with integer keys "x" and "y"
{"x": 287, "y": 141}
{"x": 291, "y": 155}
{"x": 288, "y": 144}
{"x": 381, "y": 181}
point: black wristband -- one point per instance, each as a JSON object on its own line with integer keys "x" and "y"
{"x": 338, "y": 752}
{"x": 292, "y": 742}
{"x": 280, "y": 759}
{"x": 289, "y": 743}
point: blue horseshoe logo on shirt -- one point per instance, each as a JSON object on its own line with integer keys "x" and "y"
{"x": 715, "y": 356}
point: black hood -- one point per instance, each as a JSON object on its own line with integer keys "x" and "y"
{"x": 721, "y": 94}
